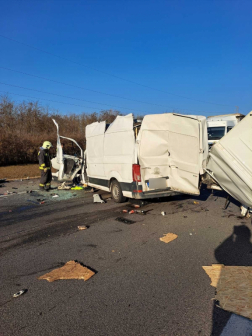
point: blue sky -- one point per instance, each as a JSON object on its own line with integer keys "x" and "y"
{"x": 195, "y": 57}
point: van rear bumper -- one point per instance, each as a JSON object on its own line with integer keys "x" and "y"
{"x": 154, "y": 194}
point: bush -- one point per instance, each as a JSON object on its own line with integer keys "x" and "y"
{"x": 25, "y": 126}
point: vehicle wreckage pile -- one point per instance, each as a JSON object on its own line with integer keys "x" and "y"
{"x": 161, "y": 155}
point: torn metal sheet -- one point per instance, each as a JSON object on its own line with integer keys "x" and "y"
{"x": 230, "y": 162}
{"x": 233, "y": 288}
{"x": 168, "y": 237}
{"x": 71, "y": 270}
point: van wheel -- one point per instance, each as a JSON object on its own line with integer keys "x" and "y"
{"x": 116, "y": 192}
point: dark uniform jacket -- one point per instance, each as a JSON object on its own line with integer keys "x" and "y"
{"x": 44, "y": 159}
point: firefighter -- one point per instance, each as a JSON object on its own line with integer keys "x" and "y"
{"x": 45, "y": 166}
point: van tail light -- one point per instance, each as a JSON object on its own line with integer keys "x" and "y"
{"x": 136, "y": 173}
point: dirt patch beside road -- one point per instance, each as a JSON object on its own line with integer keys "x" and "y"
{"x": 19, "y": 171}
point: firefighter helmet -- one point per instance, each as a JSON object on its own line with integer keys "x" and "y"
{"x": 47, "y": 144}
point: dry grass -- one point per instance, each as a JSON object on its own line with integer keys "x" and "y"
{"x": 25, "y": 126}
{"x": 19, "y": 171}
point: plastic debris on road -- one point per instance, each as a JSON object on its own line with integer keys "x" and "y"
{"x": 132, "y": 212}
{"x": 163, "y": 213}
{"x": 55, "y": 196}
{"x": 194, "y": 202}
{"x": 233, "y": 288}
{"x": 168, "y": 237}
{"x": 71, "y": 270}
{"x": 97, "y": 198}
{"x": 77, "y": 188}
{"x": 23, "y": 291}
{"x": 82, "y": 227}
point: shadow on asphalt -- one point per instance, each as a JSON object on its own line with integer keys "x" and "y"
{"x": 236, "y": 250}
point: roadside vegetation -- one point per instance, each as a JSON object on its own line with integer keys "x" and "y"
{"x": 24, "y": 126}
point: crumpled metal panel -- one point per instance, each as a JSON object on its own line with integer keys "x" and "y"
{"x": 230, "y": 161}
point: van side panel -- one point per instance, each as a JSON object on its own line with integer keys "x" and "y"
{"x": 119, "y": 149}
{"x": 111, "y": 153}
{"x": 94, "y": 149}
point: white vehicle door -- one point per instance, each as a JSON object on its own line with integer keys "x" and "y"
{"x": 169, "y": 152}
{"x": 68, "y": 166}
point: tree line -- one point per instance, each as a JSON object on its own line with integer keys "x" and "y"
{"x": 24, "y": 126}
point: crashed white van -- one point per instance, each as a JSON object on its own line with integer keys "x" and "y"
{"x": 163, "y": 155}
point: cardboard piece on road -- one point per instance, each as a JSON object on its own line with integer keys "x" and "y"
{"x": 213, "y": 272}
{"x": 82, "y": 227}
{"x": 233, "y": 288}
{"x": 168, "y": 237}
{"x": 71, "y": 270}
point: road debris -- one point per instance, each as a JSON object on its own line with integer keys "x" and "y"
{"x": 63, "y": 186}
{"x": 245, "y": 211}
{"x": 97, "y": 198}
{"x": 55, "y": 196}
{"x": 77, "y": 188}
{"x": 168, "y": 237}
{"x": 213, "y": 272}
{"x": 141, "y": 212}
{"x": 125, "y": 211}
{"x": 163, "y": 213}
{"x": 194, "y": 202}
{"x": 124, "y": 220}
{"x": 42, "y": 202}
{"x": 233, "y": 288}
{"x": 132, "y": 212}
{"x": 21, "y": 292}
{"x": 71, "y": 270}
{"x": 82, "y": 227}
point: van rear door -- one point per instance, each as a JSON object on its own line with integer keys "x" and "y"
{"x": 170, "y": 148}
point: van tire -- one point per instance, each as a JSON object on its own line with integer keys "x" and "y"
{"x": 116, "y": 192}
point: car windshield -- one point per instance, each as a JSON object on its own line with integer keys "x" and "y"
{"x": 215, "y": 133}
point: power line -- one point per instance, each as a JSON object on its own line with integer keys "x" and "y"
{"x": 79, "y": 87}
{"x": 54, "y": 101}
{"x": 107, "y": 94}
{"x": 55, "y": 94}
{"x": 112, "y": 75}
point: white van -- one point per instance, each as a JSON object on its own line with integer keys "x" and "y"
{"x": 163, "y": 155}
{"x": 220, "y": 125}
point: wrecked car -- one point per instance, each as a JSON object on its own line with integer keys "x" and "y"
{"x": 163, "y": 155}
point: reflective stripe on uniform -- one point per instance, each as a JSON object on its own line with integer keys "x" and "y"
{"x": 41, "y": 185}
{"x": 47, "y": 184}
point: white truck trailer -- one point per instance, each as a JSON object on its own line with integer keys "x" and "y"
{"x": 220, "y": 125}
{"x": 164, "y": 155}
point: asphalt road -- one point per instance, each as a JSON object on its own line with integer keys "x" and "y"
{"x": 142, "y": 286}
